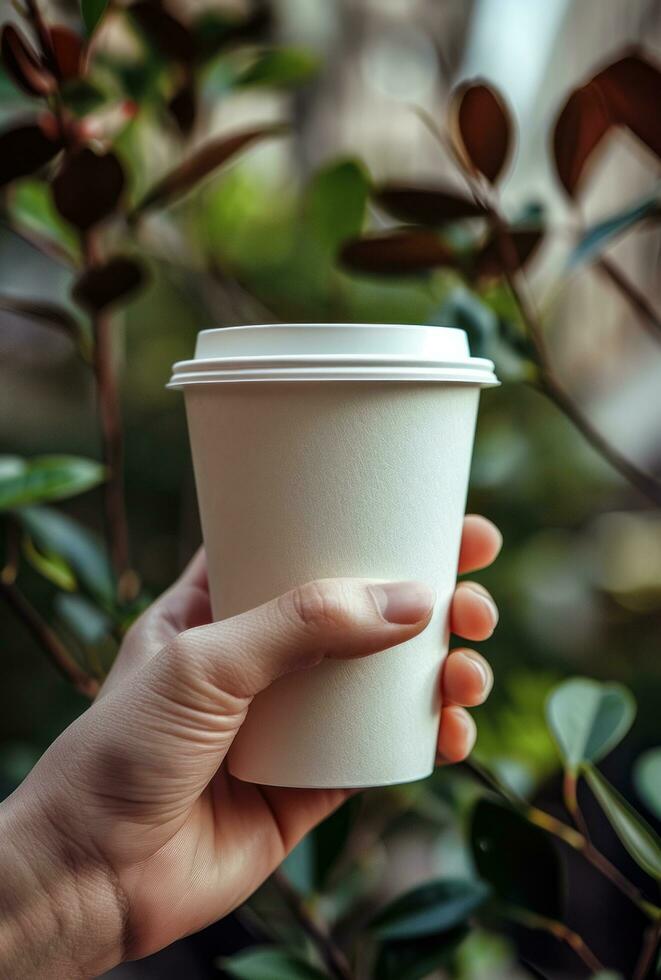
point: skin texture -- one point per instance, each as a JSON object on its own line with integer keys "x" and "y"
{"x": 130, "y": 833}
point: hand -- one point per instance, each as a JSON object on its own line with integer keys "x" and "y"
{"x": 134, "y": 831}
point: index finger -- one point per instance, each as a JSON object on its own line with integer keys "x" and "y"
{"x": 480, "y": 543}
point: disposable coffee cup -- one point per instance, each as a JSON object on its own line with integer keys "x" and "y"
{"x": 324, "y": 450}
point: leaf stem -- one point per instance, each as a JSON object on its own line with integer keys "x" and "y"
{"x": 570, "y": 797}
{"x": 532, "y": 920}
{"x": 47, "y": 639}
{"x": 648, "y": 951}
{"x": 332, "y": 956}
{"x": 647, "y": 316}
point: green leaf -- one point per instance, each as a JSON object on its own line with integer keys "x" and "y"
{"x": 46, "y": 478}
{"x": 87, "y": 622}
{"x": 281, "y": 67}
{"x": 92, "y": 11}
{"x": 329, "y": 839}
{"x": 53, "y": 567}
{"x": 596, "y": 239}
{"x": 55, "y": 533}
{"x": 647, "y": 778}
{"x": 465, "y": 310}
{"x": 588, "y": 719}
{"x": 435, "y": 907}
{"x": 415, "y": 959}
{"x": 516, "y": 858}
{"x": 269, "y": 963}
{"x": 31, "y": 206}
{"x": 635, "y": 833}
{"x": 336, "y": 201}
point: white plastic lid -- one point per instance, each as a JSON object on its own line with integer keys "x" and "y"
{"x": 333, "y": 352}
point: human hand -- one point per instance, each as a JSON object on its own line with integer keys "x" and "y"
{"x": 132, "y": 831}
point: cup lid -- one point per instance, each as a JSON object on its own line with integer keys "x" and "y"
{"x": 333, "y": 352}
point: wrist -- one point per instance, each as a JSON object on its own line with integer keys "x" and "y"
{"x": 61, "y": 911}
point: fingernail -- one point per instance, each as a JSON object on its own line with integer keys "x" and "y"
{"x": 485, "y": 598}
{"x": 403, "y": 603}
{"x": 486, "y": 677}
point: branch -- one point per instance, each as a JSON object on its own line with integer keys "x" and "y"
{"x": 639, "y": 303}
{"x": 333, "y": 957}
{"x": 561, "y": 932}
{"x": 47, "y": 639}
{"x": 648, "y": 951}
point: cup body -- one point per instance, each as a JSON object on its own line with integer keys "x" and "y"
{"x": 311, "y": 479}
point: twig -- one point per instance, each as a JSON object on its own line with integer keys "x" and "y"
{"x": 560, "y": 931}
{"x": 332, "y": 956}
{"x": 48, "y": 640}
{"x": 648, "y": 952}
{"x": 112, "y": 438}
{"x": 570, "y": 797}
{"x": 639, "y": 303}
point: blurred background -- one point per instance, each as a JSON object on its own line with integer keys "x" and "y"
{"x": 579, "y": 579}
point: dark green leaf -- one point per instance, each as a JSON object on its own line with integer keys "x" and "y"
{"x": 23, "y": 65}
{"x": 23, "y": 150}
{"x": 45, "y": 478}
{"x": 481, "y": 128}
{"x": 588, "y": 719}
{"x": 433, "y": 206}
{"x": 53, "y": 567}
{"x": 88, "y": 187}
{"x": 103, "y": 285}
{"x": 329, "y": 840}
{"x": 82, "y": 96}
{"x": 89, "y": 624}
{"x": 336, "y": 200}
{"x": 31, "y": 208}
{"x": 647, "y": 777}
{"x": 92, "y": 11}
{"x": 517, "y": 859}
{"x": 397, "y": 253}
{"x": 216, "y": 30}
{"x": 168, "y": 34}
{"x": 207, "y": 159}
{"x": 465, "y": 310}
{"x": 635, "y": 833}
{"x": 270, "y": 963}
{"x": 183, "y": 106}
{"x": 430, "y": 909}
{"x": 596, "y": 239}
{"x": 49, "y": 314}
{"x": 281, "y": 67}
{"x": 414, "y": 960}
{"x": 57, "y": 533}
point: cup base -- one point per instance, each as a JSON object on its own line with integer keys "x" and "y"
{"x": 321, "y": 784}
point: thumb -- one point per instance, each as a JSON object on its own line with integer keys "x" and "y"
{"x": 159, "y": 736}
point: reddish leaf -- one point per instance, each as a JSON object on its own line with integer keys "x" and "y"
{"x": 167, "y": 33}
{"x": 507, "y": 252}
{"x": 183, "y": 107}
{"x": 68, "y": 52}
{"x": 88, "y": 187}
{"x": 481, "y": 126}
{"x": 427, "y": 205}
{"x": 24, "y": 150}
{"x": 397, "y": 253}
{"x": 632, "y": 90}
{"x": 106, "y": 284}
{"x": 47, "y": 313}
{"x": 23, "y": 65}
{"x": 207, "y": 159}
{"x": 580, "y": 128}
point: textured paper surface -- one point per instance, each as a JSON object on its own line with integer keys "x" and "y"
{"x": 298, "y": 481}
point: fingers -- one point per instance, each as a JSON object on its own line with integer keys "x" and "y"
{"x": 480, "y": 543}
{"x": 474, "y": 614}
{"x": 456, "y": 736}
{"x": 467, "y": 678}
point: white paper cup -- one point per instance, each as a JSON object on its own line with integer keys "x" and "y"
{"x": 325, "y": 450}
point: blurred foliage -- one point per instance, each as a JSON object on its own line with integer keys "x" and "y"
{"x": 112, "y": 196}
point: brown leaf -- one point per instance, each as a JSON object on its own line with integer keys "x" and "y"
{"x": 167, "y": 33}
{"x": 631, "y": 88}
{"x": 507, "y": 252}
{"x": 23, "y": 65}
{"x": 47, "y": 313}
{"x": 432, "y": 206}
{"x": 88, "y": 187}
{"x": 396, "y": 253}
{"x": 481, "y": 128}
{"x": 103, "y": 285}
{"x": 581, "y": 126}
{"x": 207, "y": 159}
{"x": 68, "y": 52}
{"x": 23, "y": 150}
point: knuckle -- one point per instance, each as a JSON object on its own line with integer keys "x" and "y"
{"x": 318, "y": 605}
